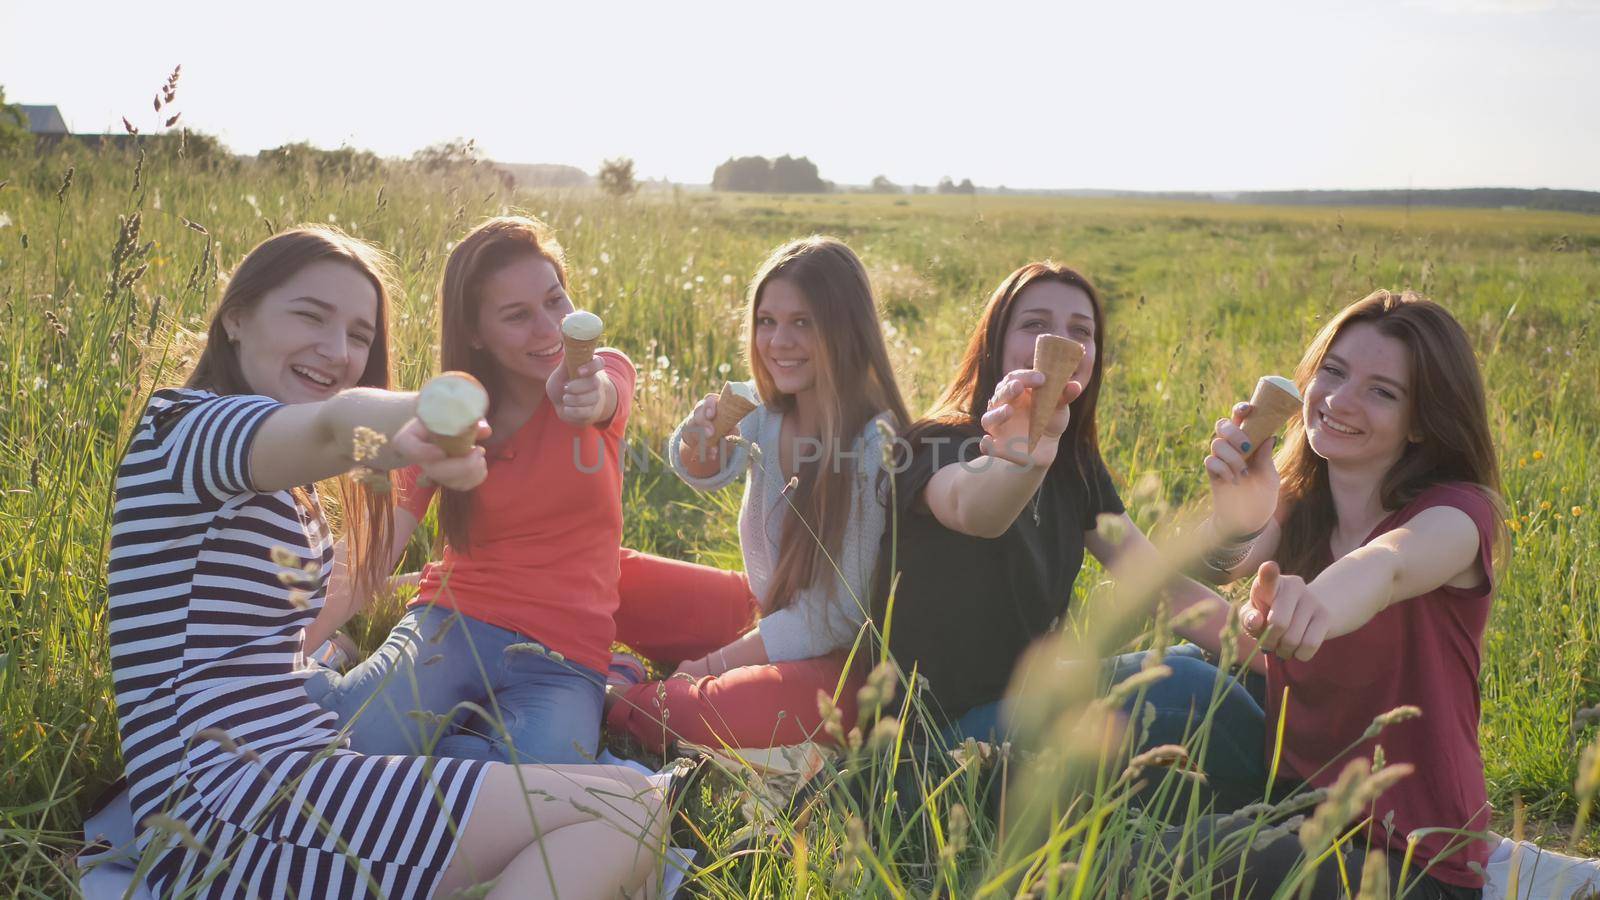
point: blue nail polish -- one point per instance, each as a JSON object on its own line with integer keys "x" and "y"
{"x": 1245, "y": 446}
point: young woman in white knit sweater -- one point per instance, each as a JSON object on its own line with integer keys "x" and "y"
{"x": 811, "y": 522}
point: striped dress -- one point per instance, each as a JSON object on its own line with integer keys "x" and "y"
{"x": 240, "y": 785}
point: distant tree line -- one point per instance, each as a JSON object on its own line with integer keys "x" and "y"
{"x": 882, "y": 185}
{"x": 757, "y": 174}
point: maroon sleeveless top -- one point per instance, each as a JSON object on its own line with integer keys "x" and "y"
{"x": 1424, "y": 651}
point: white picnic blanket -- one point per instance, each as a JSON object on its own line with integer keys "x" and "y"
{"x": 1541, "y": 874}
{"x": 108, "y": 874}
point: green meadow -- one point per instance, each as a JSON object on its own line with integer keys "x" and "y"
{"x": 109, "y": 264}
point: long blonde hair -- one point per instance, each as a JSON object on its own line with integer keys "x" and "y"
{"x": 366, "y": 515}
{"x": 855, "y": 384}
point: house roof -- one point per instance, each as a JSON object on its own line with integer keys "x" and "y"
{"x": 44, "y": 119}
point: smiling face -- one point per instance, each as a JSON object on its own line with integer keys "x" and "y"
{"x": 1357, "y": 406}
{"x": 309, "y": 337}
{"x": 786, "y": 337}
{"x": 1049, "y": 307}
{"x": 520, "y": 308}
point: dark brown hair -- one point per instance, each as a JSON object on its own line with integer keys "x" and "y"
{"x": 855, "y": 384}
{"x": 1447, "y": 409}
{"x": 366, "y": 515}
{"x": 488, "y": 248}
{"x": 960, "y": 408}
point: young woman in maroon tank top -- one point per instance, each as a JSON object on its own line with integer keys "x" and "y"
{"x": 1372, "y": 533}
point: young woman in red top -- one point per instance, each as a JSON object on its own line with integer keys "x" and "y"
{"x": 1372, "y": 534}
{"x": 517, "y": 616}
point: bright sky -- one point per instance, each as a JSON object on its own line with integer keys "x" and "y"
{"x": 1182, "y": 95}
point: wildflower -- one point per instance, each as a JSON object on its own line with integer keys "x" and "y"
{"x": 727, "y": 279}
{"x": 958, "y": 825}
{"x": 1577, "y": 511}
{"x": 1588, "y": 772}
{"x": 1544, "y": 504}
{"x": 177, "y": 828}
{"x": 884, "y": 734}
{"x": 832, "y": 718}
{"x": 300, "y": 576}
{"x": 724, "y": 369}
{"x": 1109, "y": 527}
{"x": 1163, "y": 756}
{"x": 1392, "y": 717}
{"x": 1522, "y": 463}
{"x": 1538, "y": 455}
{"x": 374, "y": 480}
{"x": 367, "y": 443}
{"x": 1374, "y": 878}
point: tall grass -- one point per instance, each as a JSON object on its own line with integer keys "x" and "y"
{"x": 109, "y": 262}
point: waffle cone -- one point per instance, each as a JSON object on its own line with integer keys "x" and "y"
{"x": 1271, "y": 408}
{"x": 731, "y": 408}
{"x": 1057, "y": 357}
{"x": 457, "y": 444}
{"x": 577, "y": 354}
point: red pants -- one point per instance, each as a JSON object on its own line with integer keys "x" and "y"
{"x": 672, "y": 611}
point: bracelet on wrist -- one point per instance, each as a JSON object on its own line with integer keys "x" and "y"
{"x": 1230, "y": 552}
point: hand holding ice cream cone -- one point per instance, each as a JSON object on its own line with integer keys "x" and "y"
{"x": 715, "y": 418}
{"x": 1016, "y": 405}
{"x": 1244, "y": 479}
{"x": 450, "y": 406}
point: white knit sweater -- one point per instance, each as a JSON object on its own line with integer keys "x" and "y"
{"x": 824, "y": 616}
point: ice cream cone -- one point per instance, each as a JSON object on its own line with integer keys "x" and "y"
{"x": 1275, "y": 400}
{"x": 450, "y": 406}
{"x": 732, "y": 406}
{"x": 1057, "y": 357}
{"x": 580, "y": 335}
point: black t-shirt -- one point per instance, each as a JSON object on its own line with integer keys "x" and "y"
{"x": 967, "y": 607}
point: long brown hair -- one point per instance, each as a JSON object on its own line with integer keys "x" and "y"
{"x": 1447, "y": 408}
{"x": 855, "y": 384}
{"x": 366, "y": 516}
{"x": 488, "y": 248}
{"x": 964, "y": 401}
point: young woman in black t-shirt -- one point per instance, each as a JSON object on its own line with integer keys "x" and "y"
{"x": 991, "y": 535}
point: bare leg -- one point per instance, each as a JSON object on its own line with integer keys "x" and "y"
{"x": 589, "y": 859}
{"x": 521, "y": 811}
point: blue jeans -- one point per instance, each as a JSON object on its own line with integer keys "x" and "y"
{"x": 408, "y": 698}
{"x": 1234, "y": 755}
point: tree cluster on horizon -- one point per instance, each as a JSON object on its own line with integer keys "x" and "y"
{"x": 757, "y": 174}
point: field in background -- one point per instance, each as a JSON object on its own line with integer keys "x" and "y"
{"x": 108, "y": 267}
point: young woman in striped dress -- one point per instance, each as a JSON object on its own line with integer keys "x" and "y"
{"x": 220, "y": 558}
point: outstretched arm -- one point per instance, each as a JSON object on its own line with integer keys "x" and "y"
{"x": 305, "y": 443}
{"x": 982, "y": 498}
{"x": 1439, "y": 546}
